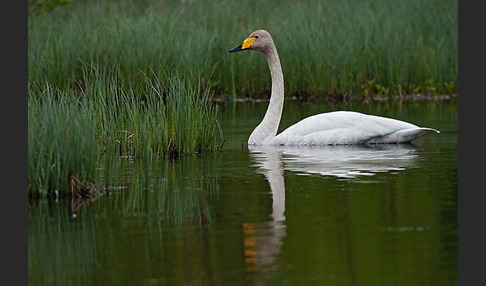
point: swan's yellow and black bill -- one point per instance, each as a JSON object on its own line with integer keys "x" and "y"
{"x": 246, "y": 45}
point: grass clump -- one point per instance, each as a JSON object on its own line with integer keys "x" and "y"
{"x": 61, "y": 141}
{"x": 165, "y": 115}
{"x": 70, "y": 131}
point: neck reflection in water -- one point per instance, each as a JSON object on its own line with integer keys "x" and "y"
{"x": 263, "y": 241}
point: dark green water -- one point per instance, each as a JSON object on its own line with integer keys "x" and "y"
{"x": 280, "y": 216}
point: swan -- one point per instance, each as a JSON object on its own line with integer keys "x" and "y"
{"x": 331, "y": 128}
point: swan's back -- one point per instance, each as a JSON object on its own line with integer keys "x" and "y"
{"x": 348, "y": 127}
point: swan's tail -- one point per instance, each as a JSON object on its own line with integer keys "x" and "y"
{"x": 404, "y": 135}
{"x": 429, "y": 130}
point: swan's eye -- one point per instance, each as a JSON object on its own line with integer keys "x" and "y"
{"x": 256, "y": 37}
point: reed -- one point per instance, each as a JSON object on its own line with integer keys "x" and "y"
{"x": 70, "y": 131}
{"x": 61, "y": 142}
{"x": 164, "y": 114}
{"x": 326, "y": 47}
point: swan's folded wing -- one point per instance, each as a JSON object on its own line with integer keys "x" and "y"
{"x": 340, "y": 127}
{"x": 402, "y": 135}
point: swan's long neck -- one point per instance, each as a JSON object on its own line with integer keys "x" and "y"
{"x": 267, "y": 129}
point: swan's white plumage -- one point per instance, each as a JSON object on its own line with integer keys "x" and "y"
{"x": 332, "y": 128}
{"x": 347, "y": 127}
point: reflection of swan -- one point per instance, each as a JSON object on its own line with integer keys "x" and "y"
{"x": 339, "y": 161}
{"x": 270, "y": 165}
{"x": 263, "y": 240}
{"x": 339, "y": 127}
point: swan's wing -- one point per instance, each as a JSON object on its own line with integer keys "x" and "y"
{"x": 402, "y": 135}
{"x": 342, "y": 127}
{"x": 369, "y": 125}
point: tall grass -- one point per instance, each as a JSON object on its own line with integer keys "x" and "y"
{"x": 165, "y": 112}
{"x": 71, "y": 133}
{"x": 326, "y": 47}
{"x": 61, "y": 141}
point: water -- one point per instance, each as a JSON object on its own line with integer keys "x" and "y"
{"x": 266, "y": 216}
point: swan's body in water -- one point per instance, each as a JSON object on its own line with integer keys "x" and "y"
{"x": 332, "y": 128}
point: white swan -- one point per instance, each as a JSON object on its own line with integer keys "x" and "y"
{"x": 338, "y": 127}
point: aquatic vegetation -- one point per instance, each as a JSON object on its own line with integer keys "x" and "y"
{"x": 61, "y": 142}
{"x": 331, "y": 47}
{"x": 166, "y": 115}
{"x": 70, "y": 131}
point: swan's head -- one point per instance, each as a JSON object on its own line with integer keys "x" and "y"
{"x": 260, "y": 40}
